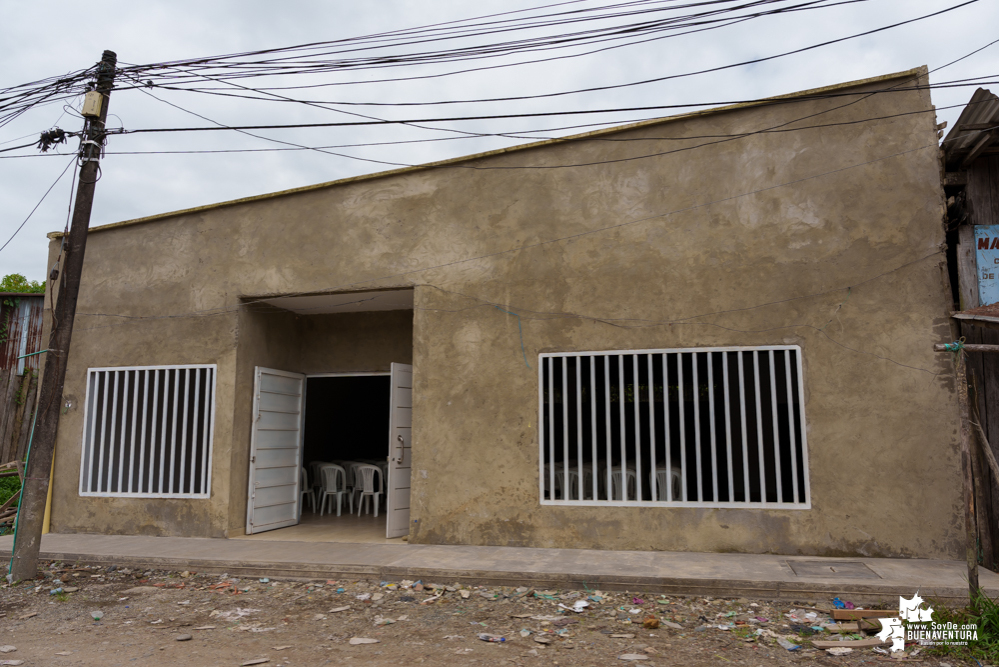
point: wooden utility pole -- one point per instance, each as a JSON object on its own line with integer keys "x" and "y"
{"x": 34, "y": 492}
{"x": 971, "y": 545}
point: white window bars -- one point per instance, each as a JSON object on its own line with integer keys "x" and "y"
{"x": 696, "y": 427}
{"x": 148, "y": 432}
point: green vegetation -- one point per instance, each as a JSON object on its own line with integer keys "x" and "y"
{"x": 8, "y": 487}
{"x": 986, "y": 649}
{"x": 15, "y": 282}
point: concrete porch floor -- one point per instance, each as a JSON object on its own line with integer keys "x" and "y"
{"x": 366, "y": 529}
{"x": 673, "y": 573}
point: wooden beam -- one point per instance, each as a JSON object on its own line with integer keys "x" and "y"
{"x": 857, "y": 614}
{"x": 974, "y": 126}
{"x": 940, "y": 347}
{"x": 967, "y": 268}
{"x": 971, "y": 543}
{"x": 977, "y": 149}
{"x": 989, "y": 454}
{"x": 956, "y": 178}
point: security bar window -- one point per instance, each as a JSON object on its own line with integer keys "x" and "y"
{"x": 698, "y": 427}
{"x": 148, "y": 432}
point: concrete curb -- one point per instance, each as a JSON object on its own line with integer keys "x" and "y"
{"x": 764, "y": 589}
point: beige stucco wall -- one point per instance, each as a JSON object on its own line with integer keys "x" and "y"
{"x": 750, "y": 241}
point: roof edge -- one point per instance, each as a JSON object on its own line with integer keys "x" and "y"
{"x": 922, "y": 70}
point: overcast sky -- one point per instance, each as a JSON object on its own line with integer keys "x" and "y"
{"x": 51, "y": 38}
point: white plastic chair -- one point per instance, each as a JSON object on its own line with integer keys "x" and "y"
{"x": 573, "y": 482}
{"x": 629, "y": 475}
{"x": 334, "y": 478}
{"x": 664, "y": 477}
{"x": 317, "y": 478}
{"x": 364, "y": 478}
{"x": 306, "y": 492}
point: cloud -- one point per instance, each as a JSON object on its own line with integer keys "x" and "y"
{"x": 138, "y": 185}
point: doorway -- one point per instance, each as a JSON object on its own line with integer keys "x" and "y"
{"x": 346, "y": 421}
{"x": 302, "y": 423}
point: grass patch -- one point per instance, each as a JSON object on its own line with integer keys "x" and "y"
{"x": 986, "y": 649}
{"x": 8, "y": 487}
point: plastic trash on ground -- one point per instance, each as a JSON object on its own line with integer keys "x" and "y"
{"x": 788, "y": 645}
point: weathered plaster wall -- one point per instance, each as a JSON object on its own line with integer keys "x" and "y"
{"x": 744, "y": 242}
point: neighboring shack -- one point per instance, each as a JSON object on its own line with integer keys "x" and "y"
{"x": 971, "y": 158}
{"x": 20, "y": 336}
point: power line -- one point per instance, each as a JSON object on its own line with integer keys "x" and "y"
{"x": 610, "y": 87}
{"x": 21, "y": 226}
{"x": 357, "y": 284}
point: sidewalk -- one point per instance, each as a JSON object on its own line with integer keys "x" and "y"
{"x": 673, "y": 573}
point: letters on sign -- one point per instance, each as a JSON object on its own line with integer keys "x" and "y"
{"x": 987, "y": 260}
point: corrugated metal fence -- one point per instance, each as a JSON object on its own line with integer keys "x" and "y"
{"x": 20, "y": 334}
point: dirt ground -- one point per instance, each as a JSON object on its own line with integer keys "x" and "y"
{"x": 188, "y": 619}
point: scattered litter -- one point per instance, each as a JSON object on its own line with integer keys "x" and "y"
{"x": 633, "y": 656}
{"x": 380, "y": 620}
{"x": 543, "y": 640}
{"x": 264, "y": 580}
{"x": 337, "y": 610}
{"x": 377, "y": 596}
{"x": 64, "y": 653}
{"x": 233, "y": 614}
{"x": 280, "y": 648}
{"x": 579, "y": 606}
{"x": 31, "y": 615}
{"x": 70, "y": 589}
{"x": 403, "y": 617}
{"x": 671, "y": 624}
{"x": 185, "y": 602}
{"x": 486, "y": 637}
{"x": 634, "y": 611}
{"x": 839, "y": 651}
{"x": 843, "y": 604}
{"x": 453, "y": 637}
{"x": 623, "y": 636}
{"x": 788, "y": 645}
{"x": 255, "y": 661}
{"x": 205, "y": 627}
{"x": 138, "y": 590}
{"x": 96, "y": 614}
{"x": 650, "y": 623}
{"x": 525, "y": 633}
{"x": 354, "y": 641}
{"x": 363, "y": 596}
{"x": 184, "y": 638}
{"x": 465, "y": 594}
{"x": 56, "y": 591}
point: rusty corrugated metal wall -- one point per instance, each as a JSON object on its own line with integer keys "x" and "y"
{"x": 20, "y": 334}
{"x": 20, "y": 331}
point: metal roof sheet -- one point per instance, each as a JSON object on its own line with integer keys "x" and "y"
{"x": 982, "y": 111}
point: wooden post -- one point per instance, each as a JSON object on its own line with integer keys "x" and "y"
{"x": 969, "y": 488}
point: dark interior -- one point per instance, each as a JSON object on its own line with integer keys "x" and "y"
{"x": 346, "y": 418}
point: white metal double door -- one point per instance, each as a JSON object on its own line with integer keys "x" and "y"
{"x": 276, "y": 442}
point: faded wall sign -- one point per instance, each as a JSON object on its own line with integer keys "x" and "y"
{"x": 987, "y": 259}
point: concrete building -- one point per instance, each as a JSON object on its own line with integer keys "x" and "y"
{"x": 709, "y": 332}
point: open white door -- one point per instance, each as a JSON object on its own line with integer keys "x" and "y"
{"x": 400, "y": 454}
{"x": 275, "y": 449}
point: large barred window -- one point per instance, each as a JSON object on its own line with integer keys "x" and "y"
{"x": 148, "y": 432}
{"x": 698, "y": 427}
